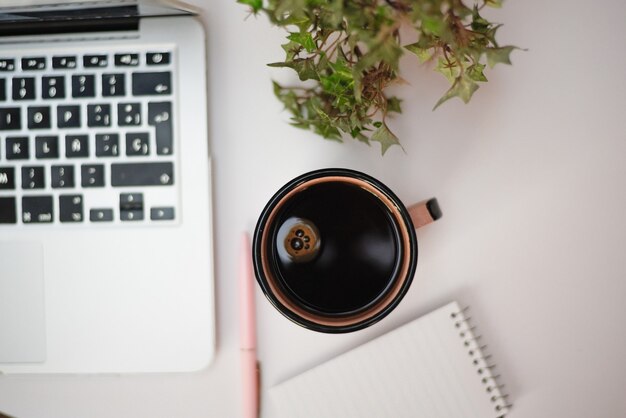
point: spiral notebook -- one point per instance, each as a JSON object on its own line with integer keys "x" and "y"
{"x": 433, "y": 367}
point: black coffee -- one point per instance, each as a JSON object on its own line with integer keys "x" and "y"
{"x": 335, "y": 248}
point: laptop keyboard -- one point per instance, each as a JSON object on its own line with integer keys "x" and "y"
{"x": 87, "y": 138}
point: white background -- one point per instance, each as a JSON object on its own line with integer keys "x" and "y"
{"x": 531, "y": 177}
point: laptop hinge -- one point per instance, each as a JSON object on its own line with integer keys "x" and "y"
{"x": 55, "y": 21}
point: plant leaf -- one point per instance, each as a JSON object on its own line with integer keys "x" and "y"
{"x": 424, "y": 54}
{"x": 304, "y": 67}
{"x": 450, "y": 70}
{"x": 256, "y": 5}
{"x": 385, "y": 137}
{"x": 499, "y": 55}
{"x": 462, "y": 88}
{"x": 475, "y": 72}
{"x": 303, "y": 38}
{"x": 494, "y": 3}
{"x": 394, "y": 105}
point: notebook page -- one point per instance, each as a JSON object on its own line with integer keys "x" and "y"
{"x": 423, "y": 368}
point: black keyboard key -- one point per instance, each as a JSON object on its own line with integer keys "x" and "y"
{"x": 17, "y": 148}
{"x": 7, "y": 178}
{"x": 101, "y": 215}
{"x": 162, "y": 214}
{"x": 10, "y": 118}
{"x": 62, "y": 176}
{"x": 33, "y": 63}
{"x": 131, "y": 206}
{"x": 160, "y": 116}
{"x": 3, "y": 89}
{"x": 95, "y": 61}
{"x": 38, "y": 117}
{"x": 23, "y": 88}
{"x": 142, "y": 174}
{"x": 152, "y": 84}
{"x": 68, "y": 116}
{"x": 137, "y": 144}
{"x": 98, "y": 115}
{"x": 158, "y": 58}
{"x": 7, "y": 64}
{"x": 126, "y": 60}
{"x": 53, "y": 87}
{"x": 8, "y": 213}
{"x": 47, "y": 147}
{"x": 76, "y": 146}
{"x": 71, "y": 208}
{"x": 67, "y": 62}
{"x": 33, "y": 178}
{"x": 113, "y": 85}
{"x": 107, "y": 145}
{"x": 92, "y": 175}
{"x": 36, "y": 209}
{"x": 129, "y": 114}
{"x": 130, "y": 201}
{"x": 83, "y": 86}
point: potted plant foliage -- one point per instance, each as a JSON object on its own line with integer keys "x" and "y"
{"x": 346, "y": 53}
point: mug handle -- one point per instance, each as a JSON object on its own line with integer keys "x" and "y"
{"x": 424, "y": 212}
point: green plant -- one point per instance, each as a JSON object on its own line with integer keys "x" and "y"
{"x": 347, "y": 52}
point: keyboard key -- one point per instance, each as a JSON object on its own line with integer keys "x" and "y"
{"x": 36, "y": 209}
{"x": 47, "y": 147}
{"x": 68, "y": 116}
{"x": 68, "y": 62}
{"x": 107, "y": 145}
{"x": 7, "y": 64}
{"x": 17, "y": 148}
{"x": 126, "y": 60}
{"x": 10, "y": 118}
{"x": 3, "y": 89}
{"x": 33, "y": 178}
{"x": 101, "y": 215}
{"x": 53, "y": 87}
{"x": 162, "y": 214}
{"x": 130, "y": 201}
{"x": 8, "y": 214}
{"x": 71, "y": 208}
{"x": 92, "y": 175}
{"x": 158, "y": 58}
{"x": 151, "y": 84}
{"x": 83, "y": 86}
{"x": 137, "y": 144}
{"x": 7, "y": 178}
{"x": 38, "y": 117}
{"x": 98, "y": 115}
{"x": 33, "y": 63}
{"x": 129, "y": 114}
{"x": 95, "y": 61}
{"x": 131, "y": 206}
{"x": 23, "y": 88}
{"x": 113, "y": 85}
{"x": 159, "y": 116}
{"x": 142, "y": 174}
{"x": 62, "y": 176}
{"x": 76, "y": 146}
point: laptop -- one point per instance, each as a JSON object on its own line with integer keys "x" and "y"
{"x": 105, "y": 190}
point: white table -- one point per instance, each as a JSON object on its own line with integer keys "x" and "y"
{"x": 531, "y": 177}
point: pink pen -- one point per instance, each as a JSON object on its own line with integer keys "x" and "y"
{"x": 249, "y": 365}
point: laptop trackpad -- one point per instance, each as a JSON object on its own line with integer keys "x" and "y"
{"x": 22, "y": 320}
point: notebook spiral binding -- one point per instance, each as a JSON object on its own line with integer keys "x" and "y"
{"x": 484, "y": 366}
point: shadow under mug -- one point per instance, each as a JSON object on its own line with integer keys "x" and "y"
{"x": 335, "y": 250}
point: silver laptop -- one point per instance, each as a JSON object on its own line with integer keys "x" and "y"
{"x": 105, "y": 222}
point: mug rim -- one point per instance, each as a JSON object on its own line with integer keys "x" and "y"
{"x": 408, "y": 257}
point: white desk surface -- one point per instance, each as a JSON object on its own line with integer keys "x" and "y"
{"x": 531, "y": 177}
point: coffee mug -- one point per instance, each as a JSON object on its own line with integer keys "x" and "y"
{"x": 335, "y": 250}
